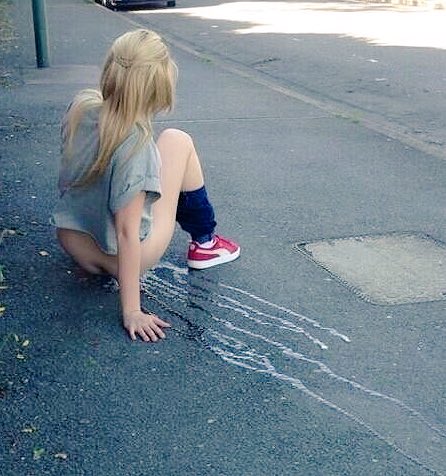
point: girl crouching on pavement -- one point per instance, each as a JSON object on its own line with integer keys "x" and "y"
{"x": 120, "y": 191}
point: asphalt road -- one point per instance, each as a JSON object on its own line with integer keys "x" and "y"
{"x": 273, "y": 366}
{"x": 379, "y": 62}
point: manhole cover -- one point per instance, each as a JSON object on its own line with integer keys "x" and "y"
{"x": 385, "y": 269}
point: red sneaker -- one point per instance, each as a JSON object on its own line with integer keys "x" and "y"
{"x": 223, "y": 251}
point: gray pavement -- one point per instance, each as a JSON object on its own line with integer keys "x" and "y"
{"x": 374, "y": 62}
{"x": 273, "y": 366}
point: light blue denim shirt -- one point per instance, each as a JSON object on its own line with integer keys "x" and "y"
{"x": 91, "y": 208}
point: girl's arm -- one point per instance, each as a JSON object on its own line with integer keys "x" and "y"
{"x": 127, "y": 224}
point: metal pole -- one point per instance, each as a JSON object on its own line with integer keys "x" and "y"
{"x": 40, "y": 33}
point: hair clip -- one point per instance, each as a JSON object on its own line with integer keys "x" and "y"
{"x": 124, "y": 62}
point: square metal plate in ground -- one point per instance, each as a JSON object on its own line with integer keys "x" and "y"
{"x": 396, "y": 268}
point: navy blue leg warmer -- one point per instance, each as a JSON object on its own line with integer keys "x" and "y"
{"x": 196, "y": 215}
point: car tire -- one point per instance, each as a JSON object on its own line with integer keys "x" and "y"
{"x": 109, "y": 5}
{"x": 171, "y": 3}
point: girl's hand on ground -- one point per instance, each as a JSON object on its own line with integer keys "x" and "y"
{"x": 148, "y": 327}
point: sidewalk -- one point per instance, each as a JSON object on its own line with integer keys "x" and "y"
{"x": 78, "y": 398}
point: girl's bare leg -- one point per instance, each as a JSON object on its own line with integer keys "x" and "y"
{"x": 180, "y": 171}
{"x": 87, "y": 254}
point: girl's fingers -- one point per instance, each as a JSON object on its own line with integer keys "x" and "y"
{"x": 160, "y": 332}
{"x": 149, "y": 331}
{"x": 134, "y": 331}
{"x": 160, "y": 322}
{"x": 156, "y": 330}
{"x": 143, "y": 335}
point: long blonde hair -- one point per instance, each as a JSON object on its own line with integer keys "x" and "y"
{"x": 138, "y": 81}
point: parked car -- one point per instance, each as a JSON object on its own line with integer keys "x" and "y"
{"x": 135, "y": 3}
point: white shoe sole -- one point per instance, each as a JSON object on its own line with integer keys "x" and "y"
{"x": 213, "y": 262}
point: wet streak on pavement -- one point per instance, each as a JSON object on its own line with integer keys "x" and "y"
{"x": 250, "y": 332}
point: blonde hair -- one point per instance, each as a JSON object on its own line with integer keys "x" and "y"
{"x": 138, "y": 81}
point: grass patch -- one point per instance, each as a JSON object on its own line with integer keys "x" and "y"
{"x": 8, "y": 40}
{"x": 7, "y": 32}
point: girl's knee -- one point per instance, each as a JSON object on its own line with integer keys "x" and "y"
{"x": 174, "y": 137}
